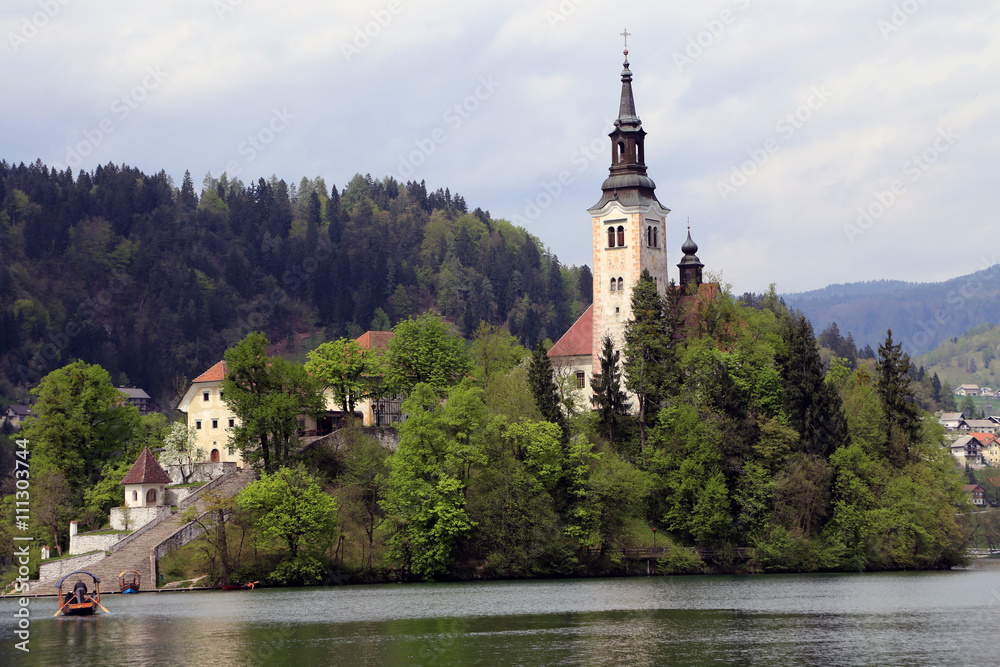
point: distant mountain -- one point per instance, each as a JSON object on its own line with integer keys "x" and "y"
{"x": 921, "y": 315}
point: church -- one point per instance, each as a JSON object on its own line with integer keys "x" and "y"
{"x": 628, "y": 226}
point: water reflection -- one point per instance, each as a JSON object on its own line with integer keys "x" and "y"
{"x": 925, "y": 618}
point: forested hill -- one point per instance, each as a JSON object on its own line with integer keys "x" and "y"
{"x": 921, "y": 315}
{"x": 154, "y": 282}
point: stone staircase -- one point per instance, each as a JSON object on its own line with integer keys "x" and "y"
{"x": 138, "y": 554}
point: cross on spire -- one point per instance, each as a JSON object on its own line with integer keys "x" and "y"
{"x": 626, "y": 34}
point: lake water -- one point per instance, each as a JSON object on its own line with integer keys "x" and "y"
{"x": 932, "y": 618}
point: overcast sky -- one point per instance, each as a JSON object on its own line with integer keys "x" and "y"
{"x": 770, "y": 124}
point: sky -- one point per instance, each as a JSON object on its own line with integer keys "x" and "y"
{"x": 808, "y": 143}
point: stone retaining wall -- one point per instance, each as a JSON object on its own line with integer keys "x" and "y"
{"x": 82, "y": 543}
{"x": 137, "y": 516}
{"x": 51, "y": 571}
{"x": 199, "y": 472}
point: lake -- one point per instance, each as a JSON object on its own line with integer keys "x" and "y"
{"x": 830, "y": 619}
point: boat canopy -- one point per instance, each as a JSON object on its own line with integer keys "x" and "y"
{"x": 92, "y": 576}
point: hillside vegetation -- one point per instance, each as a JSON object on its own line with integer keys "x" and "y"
{"x": 154, "y": 282}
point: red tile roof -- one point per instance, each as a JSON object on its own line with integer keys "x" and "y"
{"x": 213, "y": 374}
{"x": 579, "y": 340}
{"x": 984, "y": 438}
{"x": 146, "y": 470}
{"x": 375, "y": 340}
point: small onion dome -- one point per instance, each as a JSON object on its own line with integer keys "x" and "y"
{"x": 689, "y": 247}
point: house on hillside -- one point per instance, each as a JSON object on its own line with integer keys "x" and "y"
{"x": 976, "y": 494}
{"x": 387, "y": 410}
{"x": 968, "y": 451}
{"x": 991, "y": 452}
{"x": 137, "y": 397}
{"x": 204, "y": 409}
{"x": 951, "y": 420}
{"x": 967, "y": 390}
{"x": 16, "y": 414}
{"x": 980, "y": 425}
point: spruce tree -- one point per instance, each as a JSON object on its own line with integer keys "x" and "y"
{"x": 813, "y": 406}
{"x": 646, "y": 349}
{"x": 543, "y": 388}
{"x": 893, "y": 385}
{"x": 612, "y": 403}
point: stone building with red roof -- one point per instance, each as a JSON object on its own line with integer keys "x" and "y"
{"x": 205, "y": 410}
{"x": 145, "y": 482}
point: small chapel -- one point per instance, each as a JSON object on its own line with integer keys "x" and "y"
{"x": 628, "y": 226}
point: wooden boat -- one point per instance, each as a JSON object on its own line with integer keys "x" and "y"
{"x": 239, "y": 587}
{"x": 78, "y": 601}
{"x": 129, "y": 581}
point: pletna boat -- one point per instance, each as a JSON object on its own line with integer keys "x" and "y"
{"x": 78, "y": 601}
{"x": 129, "y": 581}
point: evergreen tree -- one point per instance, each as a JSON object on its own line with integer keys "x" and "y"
{"x": 612, "y": 403}
{"x": 646, "y": 349}
{"x": 544, "y": 389}
{"x": 813, "y": 406}
{"x": 893, "y": 385}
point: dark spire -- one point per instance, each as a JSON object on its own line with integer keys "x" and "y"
{"x": 690, "y": 265}
{"x": 627, "y": 182}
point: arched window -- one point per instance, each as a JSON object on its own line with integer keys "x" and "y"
{"x": 135, "y": 496}
{"x": 655, "y": 242}
{"x": 621, "y": 235}
{"x": 614, "y": 283}
{"x": 621, "y": 285}
{"x": 621, "y": 151}
{"x": 151, "y": 497}
{"x": 611, "y": 237}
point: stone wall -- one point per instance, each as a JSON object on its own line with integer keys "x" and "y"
{"x": 137, "y": 516}
{"x": 176, "y": 495}
{"x": 178, "y": 539}
{"x": 200, "y": 472}
{"x": 50, "y": 572}
{"x": 82, "y": 543}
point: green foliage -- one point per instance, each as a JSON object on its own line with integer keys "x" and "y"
{"x": 544, "y": 390}
{"x": 425, "y": 351}
{"x": 344, "y": 368}
{"x": 425, "y": 495}
{"x": 893, "y": 387}
{"x": 609, "y": 397}
{"x": 494, "y": 352}
{"x": 267, "y": 394}
{"x": 290, "y": 506}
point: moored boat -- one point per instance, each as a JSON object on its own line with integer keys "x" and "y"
{"x": 239, "y": 587}
{"x": 129, "y": 581}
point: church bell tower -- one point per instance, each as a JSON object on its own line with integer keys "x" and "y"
{"x": 629, "y": 226}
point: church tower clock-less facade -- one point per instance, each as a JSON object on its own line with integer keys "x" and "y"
{"x": 629, "y": 226}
